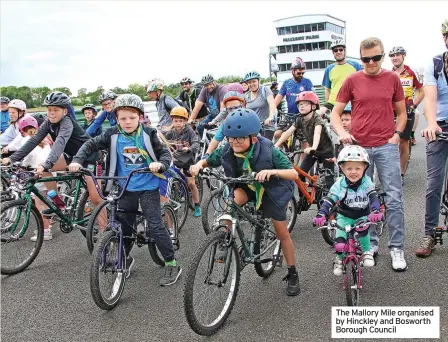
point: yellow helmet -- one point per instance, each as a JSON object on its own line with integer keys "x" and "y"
{"x": 445, "y": 27}
{"x": 179, "y": 111}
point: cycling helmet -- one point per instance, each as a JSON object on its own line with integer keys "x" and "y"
{"x": 243, "y": 81}
{"x": 207, "y": 79}
{"x": 235, "y": 87}
{"x": 107, "y": 95}
{"x": 4, "y": 99}
{"x": 338, "y": 42}
{"x": 155, "y": 84}
{"x": 445, "y": 27}
{"x": 186, "y": 80}
{"x": 233, "y": 95}
{"x": 308, "y": 96}
{"x": 57, "y": 98}
{"x": 40, "y": 118}
{"x": 242, "y": 122}
{"x": 17, "y": 104}
{"x": 397, "y": 50}
{"x": 251, "y": 75}
{"x": 179, "y": 111}
{"x": 353, "y": 153}
{"x": 348, "y": 108}
{"x": 88, "y": 106}
{"x": 274, "y": 84}
{"x": 130, "y": 100}
{"x": 27, "y": 121}
{"x": 298, "y": 63}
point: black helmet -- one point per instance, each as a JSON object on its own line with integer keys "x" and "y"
{"x": 88, "y": 106}
{"x": 57, "y": 98}
{"x": 4, "y": 99}
{"x": 274, "y": 84}
{"x": 40, "y": 118}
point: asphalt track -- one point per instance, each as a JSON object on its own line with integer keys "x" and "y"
{"x": 51, "y": 300}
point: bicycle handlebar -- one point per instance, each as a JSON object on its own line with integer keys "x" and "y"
{"x": 250, "y": 178}
{"x": 359, "y": 226}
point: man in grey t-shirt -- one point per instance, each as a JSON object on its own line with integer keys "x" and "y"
{"x": 212, "y": 96}
{"x": 164, "y": 103}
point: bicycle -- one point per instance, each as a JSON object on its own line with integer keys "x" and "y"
{"x": 253, "y": 249}
{"x": 112, "y": 241}
{"x": 352, "y": 262}
{"x": 16, "y": 215}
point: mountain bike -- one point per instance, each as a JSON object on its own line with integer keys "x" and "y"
{"x": 108, "y": 257}
{"x": 19, "y": 217}
{"x": 352, "y": 262}
{"x": 220, "y": 252}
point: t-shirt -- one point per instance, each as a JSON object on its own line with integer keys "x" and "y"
{"x": 190, "y": 99}
{"x": 358, "y": 198}
{"x": 409, "y": 81}
{"x": 335, "y": 74}
{"x": 164, "y": 106}
{"x": 372, "y": 99}
{"x": 291, "y": 89}
{"x": 325, "y": 146}
{"x": 260, "y": 104}
{"x": 442, "y": 90}
{"x": 213, "y": 100}
{"x": 129, "y": 158}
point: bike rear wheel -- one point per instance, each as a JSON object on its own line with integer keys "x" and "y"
{"x": 291, "y": 213}
{"x": 17, "y": 250}
{"x": 351, "y": 284}
{"x": 179, "y": 199}
{"x": 211, "y": 287}
{"x": 105, "y": 262}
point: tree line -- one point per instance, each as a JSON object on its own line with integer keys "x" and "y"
{"x": 34, "y": 97}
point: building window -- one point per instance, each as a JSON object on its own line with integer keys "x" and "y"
{"x": 282, "y": 49}
{"x": 307, "y": 28}
{"x": 321, "y": 26}
{"x": 288, "y": 48}
{"x": 301, "y": 28}
{"x": 295, "y": 48}
{"x": 321, "y": 45}
{"x": 322, "y": 65}
{"x": 302, "y": 47}
{"x": 315, "y": 46}
{"x": 313, "y": 27}
{"x": 315, "y": 65}
{"x": 294, "y": 29}
{"x": 308, "y": 65}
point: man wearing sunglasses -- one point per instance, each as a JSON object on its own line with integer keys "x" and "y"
{"x": 373, "y": 94}
{"x": 189, "y": 95}
{"x": 336, "y": 73}
{"x": 410, "y": 82}
{"x": 436, "y": 112}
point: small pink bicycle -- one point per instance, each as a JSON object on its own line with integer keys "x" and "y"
{"x": 352, "y": 263}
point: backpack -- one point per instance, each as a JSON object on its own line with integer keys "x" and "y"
{"x": 438, "y": 65}
{"x": 179, "y": 102}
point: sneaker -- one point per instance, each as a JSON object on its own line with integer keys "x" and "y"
{"x": 171, "y": 275}
{"x": 197, "y": 211}
{"x": 47, "y": 235}
{"x": 293, "y": 288}
{"x": 413, "y": 141}
{"x": 374, "y": 251}
{"x": 398, "y": 261}
{"x": 367, "y": 259}
{"x": 130, "y": 261}
{"x": 426, "y": 247}
{"x": 337, "y": 267}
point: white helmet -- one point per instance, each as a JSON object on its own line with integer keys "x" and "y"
{"x": 338, "y": 42}
{"x": 353, "y": 153}
{"x": 155, "y": 84}
{"x": 18, "y": 104}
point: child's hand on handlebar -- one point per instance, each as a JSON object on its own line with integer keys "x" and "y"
{"x": 6, "y": 161}
{"x": 194, "y": 169}
{"x": 74, "y": 167}
{"x": 265, "y": 175}
{"x": 40, "y": 170}
{"x": 308, "y": 150}
{"x": 319, "y": 220}
{"x": 155, "y": 167}
{"x": 375, "y": 216}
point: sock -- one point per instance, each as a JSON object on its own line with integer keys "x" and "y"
{"x": 292, "y": 269}
{"x": 171, "y": 263}
{"x": 412, "y": 134}
{"x": 196, "y": 205}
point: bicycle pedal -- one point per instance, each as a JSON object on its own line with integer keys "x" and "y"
{"x": 176, "y": 244}
{"x": 278, "y": 260}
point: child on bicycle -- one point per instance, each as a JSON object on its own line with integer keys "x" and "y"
{"x": 356, "y": 198}
{"x": 89, "y": 112}
{"x": 130, "y": 146}
{"x": 10, "y": 139}
{"x": 247, "y": 151}
{"x": 107, "y": 101}
{"x": 313, "y": 128}
{"x": 68, "y": 137}
{"x": 186, "y": 145}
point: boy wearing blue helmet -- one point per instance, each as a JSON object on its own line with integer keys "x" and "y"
{"x": 246, "y": 151}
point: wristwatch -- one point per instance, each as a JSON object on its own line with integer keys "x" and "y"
{"x": 399, "y": 133}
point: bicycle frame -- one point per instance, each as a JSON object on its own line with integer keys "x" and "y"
{"x": 352, "y": 249}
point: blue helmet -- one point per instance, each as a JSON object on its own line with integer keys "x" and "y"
{"x": 242, "y": 123}
{"x": 251, "y": 75}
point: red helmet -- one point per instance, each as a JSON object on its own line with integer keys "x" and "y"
{"x": 27, "y": 121}
{"x": 308, "y": 96}
{"x": 235, "y": 87}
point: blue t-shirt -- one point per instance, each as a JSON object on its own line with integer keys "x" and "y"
{"x": 112, "y": 117}
{"x": 291, "y": 89}
{"x": 442, "y": 90}
{"x": 219, "y": 136}
{"x": 4, "y": 119}
{"x": 129, "y": 158}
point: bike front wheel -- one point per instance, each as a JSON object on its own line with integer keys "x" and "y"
{"x": 211, "y": 286}
{"x": 107, "y": 274}
{"x": 98, "y": 222}
{"x": 264, "y": 240}
{"x": 351, "y": 282}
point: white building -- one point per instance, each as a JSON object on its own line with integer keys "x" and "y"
{"x": 309, "y": 37}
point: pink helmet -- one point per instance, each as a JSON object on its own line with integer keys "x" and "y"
{"x": 308, "y": 96}
{"x": 27, "y": 121}
{"x": 235, "y": 87}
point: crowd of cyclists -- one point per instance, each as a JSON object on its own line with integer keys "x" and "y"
{"x": 368, "y": 120}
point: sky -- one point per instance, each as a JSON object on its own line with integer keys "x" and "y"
{"x": 88, "y": 44}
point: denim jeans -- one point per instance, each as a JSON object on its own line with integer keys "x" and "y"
{"x": 386, "y": 159}
{"x": 200, "y": 126}
{"x": 436, "y": 158}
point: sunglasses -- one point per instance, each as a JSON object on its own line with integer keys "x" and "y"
{"x": 300, "y": 73}
{"x": 184, "y": 83}
{"x": 375, "y": 58}
{"x": 338, "y": 50}
{"x": 231, "y": 109}
{"x": 239, "y": 140}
